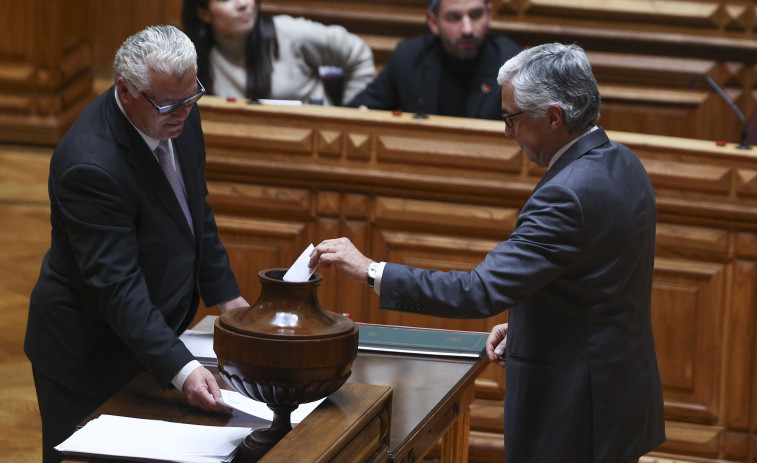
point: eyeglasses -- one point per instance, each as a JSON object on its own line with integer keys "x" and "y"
{"x": 508, "y": 118}
{"x": 168, "y": 109}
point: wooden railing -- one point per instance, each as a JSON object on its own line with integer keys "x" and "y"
{"x": 645, "y": 54}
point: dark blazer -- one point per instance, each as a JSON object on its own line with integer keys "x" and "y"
{"x": 124, "y": 274}
{"x": 400, "y": 83}
{"x": 582, "y": 382}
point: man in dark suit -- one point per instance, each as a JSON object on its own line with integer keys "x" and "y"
{"x": 582, "y": 381}
{"x": 449, "y": 73}
{"x": 133, "y": 248}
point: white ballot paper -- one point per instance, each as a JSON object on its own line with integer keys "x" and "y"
{"x": 200, "y": 344}
{"x": 119, "y": 436}
{"x": 244, "y": 404}
{"x": 299, "y": 271}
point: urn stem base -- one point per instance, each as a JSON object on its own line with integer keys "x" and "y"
{"x": 260, "y": 441}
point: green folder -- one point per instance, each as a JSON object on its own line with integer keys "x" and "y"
{"x": 422, "y": 341}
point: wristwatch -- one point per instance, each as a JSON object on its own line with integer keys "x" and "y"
{"x": 370, "y": 273}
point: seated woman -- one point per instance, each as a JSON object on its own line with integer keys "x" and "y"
{"x": 244, "y": 54}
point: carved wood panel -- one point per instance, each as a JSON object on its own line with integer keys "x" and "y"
{"x": 687, "y": 319}
{"x": 45, "y": 69}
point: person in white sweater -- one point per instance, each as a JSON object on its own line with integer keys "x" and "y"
{"x": 244, "y": 54}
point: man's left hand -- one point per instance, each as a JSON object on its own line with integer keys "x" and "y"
{"x": 202, "y": 391}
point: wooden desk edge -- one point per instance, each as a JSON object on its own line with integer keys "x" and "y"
{"x": 329, "y": 432}
{"x": 450, "y": 421}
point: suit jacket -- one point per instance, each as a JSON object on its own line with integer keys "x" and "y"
{"x": 582, "y": 381}
{"x": 124, "y": 273}
{"x": 405, "y": 78}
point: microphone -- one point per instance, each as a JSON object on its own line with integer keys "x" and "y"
{"x": 744, "y": 133}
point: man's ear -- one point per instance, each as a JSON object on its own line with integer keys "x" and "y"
{"x": 123, "y": 89}
{"x": 433, "y": 22}
{"x": 555, "y": 116}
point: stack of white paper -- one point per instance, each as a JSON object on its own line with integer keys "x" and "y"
{"x": 118, "y": 436}
{"x": 200, "y": 344}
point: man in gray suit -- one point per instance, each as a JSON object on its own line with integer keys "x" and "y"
{"x": 576, "y": 275}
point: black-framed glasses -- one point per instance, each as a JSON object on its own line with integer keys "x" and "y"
{"x": 508, "y": 118}
{"x": 168, "y": 109}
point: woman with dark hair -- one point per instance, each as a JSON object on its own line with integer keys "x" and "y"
{"x": 242, "y": 53}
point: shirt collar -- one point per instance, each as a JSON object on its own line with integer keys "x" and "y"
{"x": 568, "y": 145}
{"x": 152, "y": 143}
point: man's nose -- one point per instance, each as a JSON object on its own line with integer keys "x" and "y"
{"x": 508, "y": 131}
{"x": 467, "y": 25}
{"x": 182, "y": 112}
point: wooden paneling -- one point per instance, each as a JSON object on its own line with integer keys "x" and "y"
{"x": 687, "y": 318}
{"x": 45, "y": 69}
{"x": 440, "y": 193}
{"x": 645, "y": 55}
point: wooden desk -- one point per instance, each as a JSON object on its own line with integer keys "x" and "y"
{"x": 430, "y": 399}
{"x": 352, "y": 425}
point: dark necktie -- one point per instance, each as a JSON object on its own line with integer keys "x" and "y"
{"x": 164, "y": 158}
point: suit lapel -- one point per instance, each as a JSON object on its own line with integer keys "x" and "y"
{"x": 146, "y": 165}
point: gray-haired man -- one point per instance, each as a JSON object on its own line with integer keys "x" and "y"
{"x": 575, "y": 274}
{"x": 134, "y": 242}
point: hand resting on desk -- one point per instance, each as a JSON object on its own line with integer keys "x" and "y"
{"x": 202, "y": 391}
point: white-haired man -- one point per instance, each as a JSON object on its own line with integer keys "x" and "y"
{"x": 134, "y": 242}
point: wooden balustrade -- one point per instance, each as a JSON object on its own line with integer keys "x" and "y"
{"x": 645, "y": 54}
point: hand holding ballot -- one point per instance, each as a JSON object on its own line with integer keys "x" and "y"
{"x": 300, "y": 271}
{"x": 342, "y": 254}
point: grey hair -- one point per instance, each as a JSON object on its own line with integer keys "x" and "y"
{"x": 163, "y": 49}
{"x": 554, "y": 74}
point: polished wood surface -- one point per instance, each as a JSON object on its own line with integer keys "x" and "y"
{"x": 430, "y": 396}
{"x": 284, "y": 350}
{"x": 357, "y": 413}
